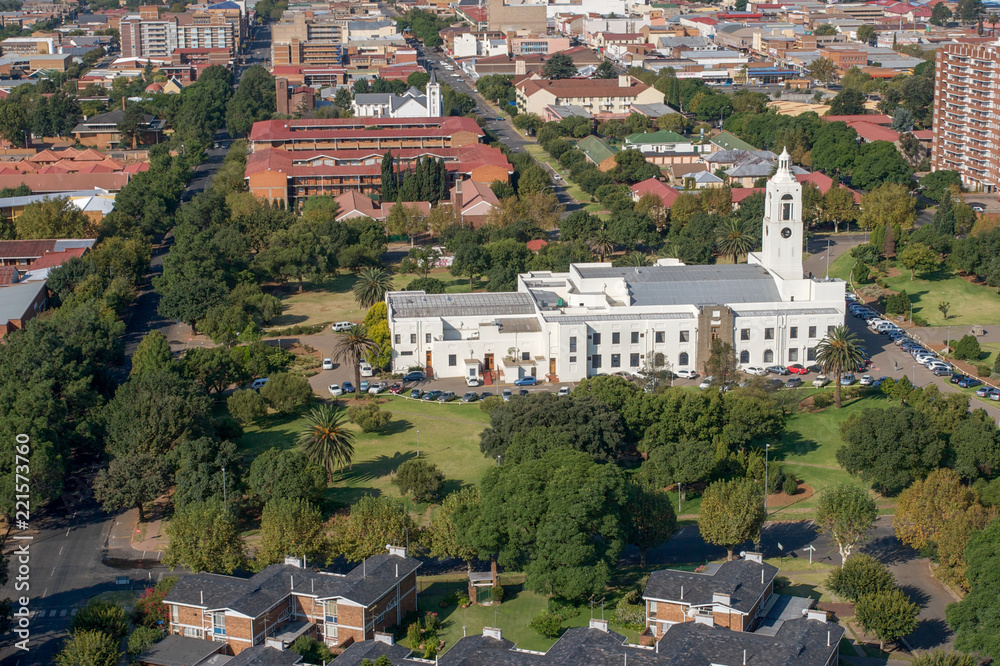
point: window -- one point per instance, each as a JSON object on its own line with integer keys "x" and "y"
{"x": 652, "y": 606}
{"x": 714, "y": 332}
{"x": 786, "y": 207}
{"x": 616, "y": 360}
{"x": 793, "y": 332}
{"x": 769, "y": 334}
{"x": 597, "y": 339}
{"x": 812, "y": 331}
{"x": 635, "y": 337}
{"x": 658, "y": 337}
{"x": 397, "y": 337}
{"x": 572, "y": 345}
{"x": 330, "y": 631}
{"x": 768, "y": 356}
{"x": 595, "y": 361}
{"x": 572, "y": 359}
{"x": 331, "y": 612}
{"x": 685, "y": 336}
{"x": 174, "y": 615}
{"x": 633, "y": 361}
{"x": 829, "y": 330}
{"x": 413, "y": 338}
{"x": 744, "y": 334}
{"x": 744, "y": 356}
{"x": 452, "y": 360}
{"x": 406, "y": 353}
{"x": 427, "y": 338}
{"x": 191, "y": 632}
{"x": 616, "y": 338}
{"x": 682, "y": 359}
{"x": 793, "y": 355}
{"x": 811, "y": 354}
{"x": 525, "y": 356}
{"x": 219, "y": 622}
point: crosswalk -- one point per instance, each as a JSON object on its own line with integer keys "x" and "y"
{"x": 53, "y": 613}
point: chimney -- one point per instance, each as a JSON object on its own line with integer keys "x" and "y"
{"x": 382, "y": 637}
{"x": 293, "y": 561}
{"x": 721, "y": 598}
{"x": 815, "y": 614}
{"x": 754, "y": 557}
{"x": 492, "y": 632}
{"x": 601, "y": 625}
{"x": 398, "y": 551}
{"x": 624, "y": 80}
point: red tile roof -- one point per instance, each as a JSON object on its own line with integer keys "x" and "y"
{"x": 25, "y": 249}
{"x": 68, "y": 182}
{"x": 306, "y": 129}
{"x": 656, "y": 187}
{"x": 823, "y": 182}
{"x": 537, "y": 244}
{"x": 581, "y": 87}
{"x": 738, "y": 194}
{"x": 8, "y": 275}
{"x": 873, "y": 118}
{"x": 53, "y": 259}
{"x": 872, "y": 132}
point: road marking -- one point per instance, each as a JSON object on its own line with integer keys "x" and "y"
{"x": 60, "y": 550}
{"x": 53, "y": 572}
{"x": 74, "y": 612}
{"x": 44, "y": 593}
{"x": 62, "y": 613}
{"x": 67, "y": 531}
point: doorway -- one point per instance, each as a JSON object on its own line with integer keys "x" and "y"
{"x": 429, "y": 366}
{"x": 488, "y": 363}
{"x": 552, "y": 366}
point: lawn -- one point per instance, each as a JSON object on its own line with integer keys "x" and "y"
{"x": 332, "y": 299}
{"x": 449, "y": 438}
{"x": 971, "y": 304}
{"x": 841, "y": 267}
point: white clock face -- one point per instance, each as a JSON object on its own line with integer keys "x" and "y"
{"x": 786, "y": 232}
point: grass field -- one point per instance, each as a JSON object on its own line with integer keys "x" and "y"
{"x": 841, "y": 267}
{"x": 333, "y": 299}
{"x": 449, "y": 438}
{"x": 970, "y": 303}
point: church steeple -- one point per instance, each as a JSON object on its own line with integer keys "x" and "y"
{"x": 435, "y": 103}
{"x": 782, "y": 238}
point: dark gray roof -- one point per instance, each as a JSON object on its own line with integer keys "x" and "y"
{"x": 260, "y": 655}
{"x": 800, "y": 642}
{"x": 252, "y": 596}
{"x": 16, "y": 299}
{"x": 180, "y": 651}
{"x": 371, "y": 650}
{"x": 420, "y": 304}
{"x": 693, "y": 285}
{"x": 740, "y": 579}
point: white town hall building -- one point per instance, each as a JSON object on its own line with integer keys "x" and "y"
{"x": 597, "y": 319}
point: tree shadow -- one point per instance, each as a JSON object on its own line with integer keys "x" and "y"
{"x": 916, "y": 595}
{"x": 930, "y": 633}
{"x": 287, "y": 320}
{"x": 793, "y": 443}
{"x": 395, "y": 427}
{"x": 368, "y": 470}
{"x": 451, "y": 486}
{"x": 889, "y": 550}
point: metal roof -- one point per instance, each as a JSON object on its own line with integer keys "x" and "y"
{"x": 420, "y": 304}
{"x": 693, "y": 285}
{"x": 583, "y": 319}
{"x": 794, "y": 312}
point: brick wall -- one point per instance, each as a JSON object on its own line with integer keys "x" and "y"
{"x": 350, "y": 616}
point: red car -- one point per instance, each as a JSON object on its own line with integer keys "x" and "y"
{"x": 395, "y": 389}
{"x": 797, "y": 369}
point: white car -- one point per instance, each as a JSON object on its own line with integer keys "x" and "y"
{"x": 335, "y": 390}
{"x": 375, "y": 389}
{"x": 705, "y": 383}
{"x": 328, "y": 364}
{"x": 687, "y": 374}
{"x": 366, "y": 369}
{"x": 341, "y": 326}
{"x": 755, "y": 370}
{"x": 867, "y": 380}
{"x": 564, "y": 390}
{"x": 821, "y": 381}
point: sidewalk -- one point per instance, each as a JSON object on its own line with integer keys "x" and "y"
{"x": 130, "y": 540}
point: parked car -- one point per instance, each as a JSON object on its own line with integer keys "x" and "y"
{"x": 258, "y": 384}
{"x": 814, "y": 368}
{"x": 847, "y": 379}
{"x": 375, "y": 389}
{"x": 430, "y": 396}
{"x": 348, "y": 387}
{"x": 773, "y": 384}
{"x": 941, "y": 371}
{"x": 446, "y": 396}
{"x": 798, "y": 369}
{"x": 328, "y": 364}
{"x": 984, "y": 391}
{"x": 506, "y": 395}
{"x": 687, "y": 374}
{"x": 755, "y": 370}
{"x": 564, "y": 390}
{"x": 793, "y": 382}
{"x": 524, "y": 393}
{"x": 969, "y": 382}
{"x": 335, "y": 390}
{"x": 416, "y": 393}
{"x": 341, "y": 326}
{"x": 366, "y": 369}
{"x": 485, "y": 394}
{"x": 471, "y": 396}
{"x": 995, "y": 395}
{"x": 526, "y": 381}
{"x": 415, "y": 376}
{"x": 821, "y": 381}
{"x": 472, "y": 382}
{"x": 365, "y": 385}
{"x": 867, "y": 380}
{"x": 396, "y": 389}
{"x": 777, "y": 370}
{"x": 706, "y": 383}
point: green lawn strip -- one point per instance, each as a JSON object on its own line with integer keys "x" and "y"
{"x": 572, "y": 188}
{"x": 449, "y": 438}
{"x": 124, "y": 598}
{"x": 971, "y": 304}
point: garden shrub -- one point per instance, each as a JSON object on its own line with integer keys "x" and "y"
{"x": 790, "y": 485}
{"x": 368, "y": 417}
{"x": 496, "y": 593}
{"x": 546, "y": 624}
{"x": 967, "y": 348}
{"x": 822, "y": 400}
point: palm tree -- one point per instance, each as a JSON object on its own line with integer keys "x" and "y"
{"x": 840, "y": 350}
{"x": 602, "y": 244}
{"x": 326, "y": 441}
{"x": 372, "y": 285}
{"x": 352, "y": 346}
{"x": 734, "y": 239}
{"x": 635, "y": 259}
{"x": 993, "y": 18}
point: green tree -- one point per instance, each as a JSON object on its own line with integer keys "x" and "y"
{"x": 558, "y": 66}
{"x": 298, "y": 252}
{"x": 290, "y": 527}
{"x": 285, "y": 392}
{"x": 838, "y": 205}
{"x": 890, "y": 615}
{"x": 847, "y": 103}
{"x": 246, "y": 406}
{"x": 866, "y": 35}
{"x": 446, "y": 536}
{"x": 722, "y": 363}
{"x": 732, "y": 512}
{"x": 14, "y": 123}
{"x": 940, "y": 14}
{"x": 974, "y": 620}
{"x": 278, "y": 474}
{"x": 937, "y": 183}
{"x": 131, "y": 126}
{"x": 976, "y": 443}
{"x": 917, "y": 257}
{"x": 372, "y": 286}
{"x": 89, "y": 648}
{"x": 406, "y": 220}
{"x": 151, "y": 355}
{"x": 419, "y": 479}
{"x": 253, "y": 100}
{"x": 199, "y": 475}
{"x": 888, "y": 204}
{"x": 352, "y": 346}
{"x": 141, "y": 639}
{"x": 889, "y": 448}
{"x": 325, "y": 440}
{"x": 53, "y": 218}
{"x": 204, "y": 537}
{"x": 651, "y": 520}
{"x": 847, "y": 514}
{"x": 103, "y": 616}
{"x": 131, "y": 481}
{"x": 735, "y": 237}
{"x": 605, "y": 70}
{"x": 822, "y": 69}
{"x": 837, "y": 353}
{"x": 369, "y": 417}
{"x": 967, "y": 348}
{"x": 374, "y": 522}
{"x": 528, "y": 122}
{"x": 860, "y": 575}
{"x": 879, "y": 162}
{"x": 470, "y": 261}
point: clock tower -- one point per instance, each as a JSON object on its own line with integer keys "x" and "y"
{"x": 782, "y": 235}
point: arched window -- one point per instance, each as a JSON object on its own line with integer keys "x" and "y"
{"x": 744, "y": 356}
{"x": 658, "y": 360}
{"x": 682, "y": 359}
{"x": 769, "y": 356}
{"x": 786, "y": 207}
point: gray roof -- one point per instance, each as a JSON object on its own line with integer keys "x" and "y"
{"x": 693, "y": 285}
{"x": 736, "y": 156}
{"x": 567, "y": 110}
{"x": 800, "y": 642}
{"x": 252, "y": 596}
{"x": 654, "y": 110}
{"x": 740, "y": 579}
{"x": 420, "y": 304}
{"x": 16, "y": 299}
{"x": 371, "y": 650}
{"x": 373, "y": 98}
{"x": 180, "y": 651}
{"x": 780, "y": 609}
{"x": 259, "y": 655}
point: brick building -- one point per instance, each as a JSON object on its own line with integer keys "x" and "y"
{"x": 285, "y": 601}
{"x": 149, "y": 35}
{"x": 365, "y": 133}
{"x": 600, "y": 97}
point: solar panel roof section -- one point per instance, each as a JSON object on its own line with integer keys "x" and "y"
{"x": 417, "y": 304}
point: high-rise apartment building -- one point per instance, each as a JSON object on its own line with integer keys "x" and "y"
{"x": 151, "y": 35}
{"x": 966, "y": 137}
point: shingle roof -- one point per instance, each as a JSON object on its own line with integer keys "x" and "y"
{"x": 179, "y": 651}
{"x": 371, "y": 650}
{"x": 259, "y": 655}
{"x": 740, "y": 579}
{"x": 800, "y": 642}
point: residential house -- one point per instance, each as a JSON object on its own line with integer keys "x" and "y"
{"x": 601, "y": 97}
{"x": 101, "y": 131}
{"x": 730, "y": 595}
{"x": 285, "y": 601}
{"x": 668, "y": 195}
{"x": 180, "y": 651}
{"x": 598, "y": 151}
{"x": 474, "y": 201}
{"x": 665, "y": 148}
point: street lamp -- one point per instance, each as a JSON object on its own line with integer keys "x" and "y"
{"x": 418, "y": 443}
{"x": 225, "y": 501}
{"x": 767, "y": 447}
